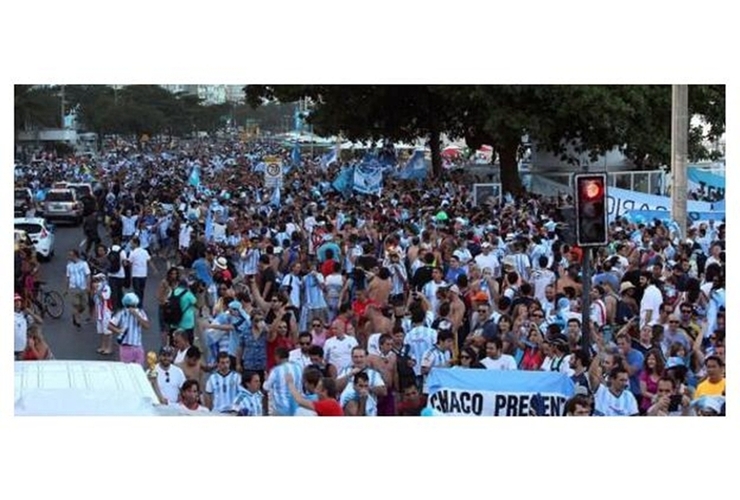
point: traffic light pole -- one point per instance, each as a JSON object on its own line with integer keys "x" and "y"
{"x": 586, "y": 301}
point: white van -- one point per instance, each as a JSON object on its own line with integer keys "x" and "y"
{"x": 85, "y": 388}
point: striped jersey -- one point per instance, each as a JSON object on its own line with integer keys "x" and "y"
{"x": 77, "y": 272}
{"x": 275, "y": 384}
{"x": 374, "y": 377}
{"x": 420, "y": 339}
{"x": 132, "y": 334}
{"x": 349, "y": 394}
{"x": 314, "y": 294}
{"x": 250, "y": 262}
{"x": 247, "y": 403}
{"x": 223, "y": 389}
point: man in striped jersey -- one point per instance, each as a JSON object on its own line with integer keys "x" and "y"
{"x": 419, "y": 339}
{"x": 520, "y": 260}
{"x": 438, "y": 356}
{"x": 222, "y": 385}
{"x": 78, "y": 284}
{"x": 249, "y": 259}
{"x": 128, "y": 324}
{"x": 248, "y": 401}
{"x": 282, "y": 402}
{"x": 357, "y": 400}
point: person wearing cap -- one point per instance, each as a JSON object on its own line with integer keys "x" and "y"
{"x": 128, "y": 324}
{"x": 170, "y": 377}
{"x": 221, "y": 272}
{"x": 627, "y": 306}
{"x": 487, "y": 259}
{"x": 103, "y": 312}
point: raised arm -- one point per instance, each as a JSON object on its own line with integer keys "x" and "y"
{"x": 302, "y": 401}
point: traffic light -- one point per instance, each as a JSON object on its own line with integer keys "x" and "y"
{"x": 590, "y": 194}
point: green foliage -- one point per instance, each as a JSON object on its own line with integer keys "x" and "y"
{"x": 565, "y": 119}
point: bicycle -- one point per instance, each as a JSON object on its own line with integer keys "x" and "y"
{"x": 46, "y": 302}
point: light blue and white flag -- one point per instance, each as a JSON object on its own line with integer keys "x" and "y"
{"x": 416, "y": 168}
{"x": 259, "y": 168}
{"x": 343, "y": 182}
{"x": 275, "y": 198}
{"x": 368, "y": 178}
{"x": 295, "y": 155}
{"x": 462, "y": 392}
{"x": 209, "y": 225}
{"x": 194, "y": 179}
{"x": 329, "y": 158}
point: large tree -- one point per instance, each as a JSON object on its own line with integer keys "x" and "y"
{"x": 370, "y": 112}
{"x": 565, "y": 119}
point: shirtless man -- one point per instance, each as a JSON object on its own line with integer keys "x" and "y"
{"x": 379, "y": 288}
{"x": 385, "y": 364}
{"x": 192, "y": 366}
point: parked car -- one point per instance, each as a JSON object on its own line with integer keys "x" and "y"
{"x": 85, "y": 193}
{"x": 23, "y": 201}
{"x": 40, "y": 232}
{"x": 63, "y": 204}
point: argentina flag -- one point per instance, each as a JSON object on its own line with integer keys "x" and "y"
{"x": 416, "y": 168}
{"x": 368, "y": 178}
{"x": 194, "y": 179}
{"x": 275, "y": 198}
{"x": 343, "y": 182}
{"x": 329, "y": 158}
{"x": 295, "y": 155}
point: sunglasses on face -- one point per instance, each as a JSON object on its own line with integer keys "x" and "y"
{"x": 464, "y": 357}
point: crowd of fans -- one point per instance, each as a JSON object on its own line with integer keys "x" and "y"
{"x": 341, "y": 305}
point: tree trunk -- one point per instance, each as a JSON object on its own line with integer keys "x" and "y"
{"x": 434, "y": 137}
{"x": 510, "y": 181}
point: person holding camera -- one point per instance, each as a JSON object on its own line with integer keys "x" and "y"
{"x": 668, "y": 401}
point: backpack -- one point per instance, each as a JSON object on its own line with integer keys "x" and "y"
{"x": 406, "y": 374}
{"x": 114, "y": 259}
{"x": 172, "y": 311}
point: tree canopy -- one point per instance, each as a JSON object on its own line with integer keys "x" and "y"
{"x": 565, "y": 119}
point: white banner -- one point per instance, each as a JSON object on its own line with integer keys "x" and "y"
{"x": 621, "y": 201}
{"x": 273, "y": 174}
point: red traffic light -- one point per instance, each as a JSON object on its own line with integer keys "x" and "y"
{"x": 591, "y": 188}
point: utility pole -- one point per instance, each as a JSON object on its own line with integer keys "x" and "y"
{"x": 62, "y": 110}
{"x": 679, "y": 154}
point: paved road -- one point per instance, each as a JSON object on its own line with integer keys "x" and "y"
{"x": 65, "y": 340}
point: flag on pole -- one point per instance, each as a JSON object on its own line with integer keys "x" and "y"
{"x": 275, "y": 198}
{"x": 295, "y": 155}
{"x": 209, "y": 225}
{"x": 416, "y": 168}
{"x": 194, "y": 179}
{"x": 330, "y": 158}
{"x": 343, "y": 182}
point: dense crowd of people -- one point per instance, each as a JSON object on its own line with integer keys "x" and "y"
{"x": 326, "y": 304}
